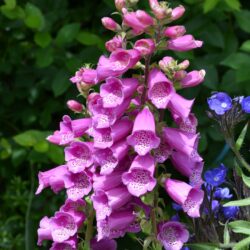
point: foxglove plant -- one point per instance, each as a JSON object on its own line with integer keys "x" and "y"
{"x": 115, "y": 154}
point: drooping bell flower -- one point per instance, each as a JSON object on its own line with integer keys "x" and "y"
{"x": 193, "y": 78}
{"x": 85, "y": 76}
{"x": 56, "y": 178}
{"x": 188, "y": 197}
{"x": 172, "y": 235}
{"x": 162, "y": 153}
{"x": 63, "y": 226}
{"x": 180, "y": 140}
{"x": 188, "y": 124}
{"x": 160, "y": 89}
{"x": 183, "y": 43}
{"x": 177, "y": 12}
{"x": 175, "y": 31}
{"x": 81, "y": 187}
{"x": 104, "y": 244}
{"x": 180, "y": 106}
{"x": 115, "y": 90}
{"x": 75, "y": 208}
{"x": 79, "y": 156}
{"x": 118, "y": 63}
{"x": 114, "y": 44}
{"x": 139, "y": 179}
{"x": 159, "y": 10}
{"x": 70, "y": 244}
{"x": 105, "y": 138}
{"x": 110, "y": 24}
{"x": 188, "y": 167}
{"x": 143, "y": 137}
{"x": 139, "y": 21}
{"x": 44, "y": 230}
{"x": 109, "y": 158}
{"x": 145, "y": 46}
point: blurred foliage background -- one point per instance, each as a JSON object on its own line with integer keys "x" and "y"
{"x": 43, "y": 42}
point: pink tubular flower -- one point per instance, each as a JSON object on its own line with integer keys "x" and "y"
{"x": 180, "y": 106}
{"x": 143, "y": 138}
{"x": 162, "y": 153}
{"x": 180, "y": 140}
{"x": 159, "y": 11}
{"x": 185, "y": 195}
{"x": 184, "y": 43}
{"x": 172, "y": 235}
{"x": 86, "y": 76}
{"x": 110, "y": 24}
{"x": 104, "y": 244}
{"x": 105, "y": 138}
{"x": 193, "y": 78}
{"x": 74, "y": 106}
{"x": 118, "y": 63}
{"x": 160, "y": 89}
{"x": 70, "y": 244}
{"x": 188, "y": 124}
{"x": 177, "y": 12}
{"x": 56, "y": 178}
{"x": 175, "y": 31}
{"x": 44, "y": 230}
{"x": 139, "y": 21}
{"x": 79, "y": 156}
{"x": 145, "y": 46}
{"x": 139, "y": 179}
{"x": 109, "y": 158}
{"x": 114, "y": 44}
{"x": 115, "y": 91}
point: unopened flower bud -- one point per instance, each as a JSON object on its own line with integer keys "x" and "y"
{"x": 74, "y": 106}
{"x": 183, "y": 65}
{"x": 179, "y": 75}
{"x": 193, "y": 78}
{"x": 159, "y": 10}
{"x": 110, "y": 24}
{"x": 144, "y": 18}
{"x": 177, "y": 12}
{"x": 166, "y": 62}
{"x": 145, "y": 46}
{"x": 119, "y": 4}
{"x": 175, "y": 31}
{"x": 132, "y": 2}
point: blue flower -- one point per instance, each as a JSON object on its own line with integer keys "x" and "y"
{"x": 245, "y": 104}
{"x": 230, "y": 212}
{"x": 220, "y": 103}
{"x": 215, "y": 205}
{"x": 222, "y": 193}
{"x": 176, "y": 206}
{"x": 216, "y": 176}
{"x": 185, "y": 248}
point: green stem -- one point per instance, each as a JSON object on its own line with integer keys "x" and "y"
{"x": 90, "y": 229}
{"x": 27, "y": 215}
{"x": 240, "y": 158}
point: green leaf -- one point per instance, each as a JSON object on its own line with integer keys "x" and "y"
{"x": 241, "y": 137}
{"x": 67, "y": 33}
{"x": 16, "y": 13}
{"x": 245, "y": 46}
{"x": 5, "y": 149}
{"x": 243, "y": 20}
{"x": 87, "y": 38}
{"x": 233, "y": 4}
{"x": 209, "y": 5}
{"x": 211, "y": 79}
{"x": 10, "y": 4}
{"x": 239, "y": 203}
{"x": 226, "y": 235}
{"x": 26, "y": 139}
{"x": 34, "y": 18}
{"x": 60, "y": 83}
{"x": 43, "y": 39}
{"x": 55, "y": 154}
{"x": 203, "y": 246}
{"x": 240, "y": 226}
{"x": 243, "y": 243}
{"x": 236, "y": 60}
{"x": 44, "y": 57}
{"x": 41, "y": 147}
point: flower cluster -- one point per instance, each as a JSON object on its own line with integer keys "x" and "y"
{"x": 112, "y": 155}
{"x": 216, "y": 194}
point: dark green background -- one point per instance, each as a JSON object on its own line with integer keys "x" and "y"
{"x": 42, "y": 44}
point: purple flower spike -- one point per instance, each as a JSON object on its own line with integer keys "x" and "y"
{"x": 230, "y": 212}
{"x": 160, "y": 89}
{"x": 245, "y": 104}
{"x": 185, "y": 195}
{"x": 56, "y": 178}
{"x": 63, "y": 227}
{"x": 220, "y": 103}
{"x": 82, "y": 186}
{"x": 105, "y": 138}
{"x": 44, "y": 230}
{"x": 180, "y": 106}
{"x": 70, "y": 244}
{"x": 162, "y": 153}
{"x": 143, "y": 138}
{"x": 188, "y": 124}
{"x": 216, "y": 176}
{"x": 172, "y": 235}
{"x": 79, "y": 156}
{"x": 109, "y": 158}
{"x": 104, "y": 244}
{"x": 139, "y": 179}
